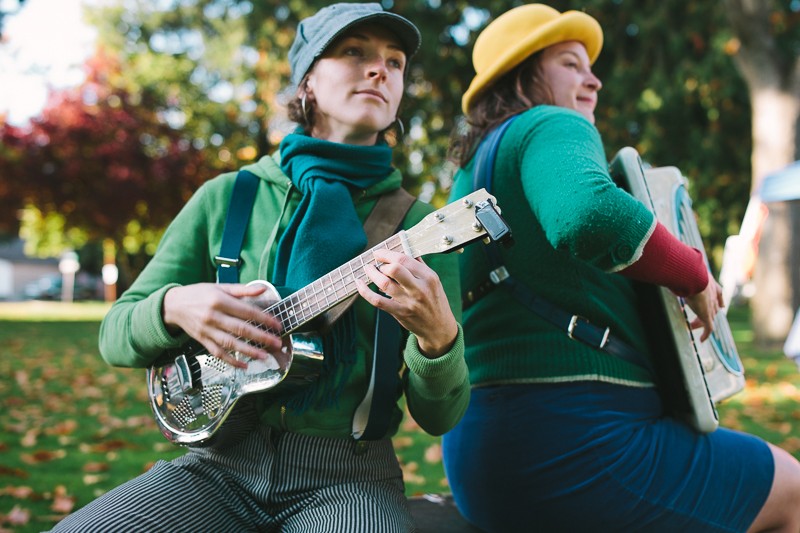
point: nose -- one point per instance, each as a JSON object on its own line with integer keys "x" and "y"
{"x": 377, "y": 69}
{"x": 593, "y": 82}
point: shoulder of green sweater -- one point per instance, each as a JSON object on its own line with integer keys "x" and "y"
{"x": 554, "y": 113}
{"x": 553, "y": 118}
{"x": 547, "y": 132}
{"x": 268, "y": 169}
{"x": 265, "y": 169}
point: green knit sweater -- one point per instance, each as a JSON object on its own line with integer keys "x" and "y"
{"x": 573, "y": 228}
{"x": 133, "y": 333}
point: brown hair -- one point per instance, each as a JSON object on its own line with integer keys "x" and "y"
{"x": 519, "y": 90}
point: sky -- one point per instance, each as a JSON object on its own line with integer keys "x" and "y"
{"x": 44, "y": 45}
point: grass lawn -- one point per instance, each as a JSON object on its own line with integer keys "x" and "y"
{"x": 73, "y": 427}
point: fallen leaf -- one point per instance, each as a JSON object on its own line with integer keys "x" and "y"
{"x": 62, "y": 428}
{"x": 95, "y": 467}
{"x": 93, "y": 479}
{"x": 403, "y": 442}
{"x": 92, "y": 392}
{"x": 23, "y": 379}
{"x": 62, "y": 502}
{"x": 433, "y": 454}
{"x": 15, "y": 402}
{"x": 20, "y": 493}
{"x": 410, "y": 425}
{"x": 18, "y": 516}
{"x": 30, "y": 438}
{"x": 410, "y": 475}
{"x": 42, "y": 456}
{"x": 791, "y": 445}
{"x": 109, "y": 445}
{"x": 14, "y": 472}
{"x": 771, "y": 371}
{"x": 163, "y": 446}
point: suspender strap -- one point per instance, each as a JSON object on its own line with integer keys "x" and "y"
{"x": 575, "y": 326}
{"x": 241, "y": 205}
{"x": 487, "y": 153}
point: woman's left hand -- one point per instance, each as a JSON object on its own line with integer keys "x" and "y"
{"x": 706, "y": 304}
{"x": 414, "y": 296}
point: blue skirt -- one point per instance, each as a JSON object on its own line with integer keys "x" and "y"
{"x": 593, "y": 456}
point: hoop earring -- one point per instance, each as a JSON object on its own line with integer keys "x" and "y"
{"x": 303, "y": 107}
{"x": 400, "y": 126}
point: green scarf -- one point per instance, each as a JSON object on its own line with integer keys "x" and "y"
{"x": 323, "y": 234}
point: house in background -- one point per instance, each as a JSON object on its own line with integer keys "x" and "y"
{"x": 18, "y": 270}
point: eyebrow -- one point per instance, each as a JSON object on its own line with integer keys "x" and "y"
{"x": 570, "y": 52}
{"x": 581, "y": 61}
{"x": 362, "y": 37}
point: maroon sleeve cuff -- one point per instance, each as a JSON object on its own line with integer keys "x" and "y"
{"x": 668, "y": 262}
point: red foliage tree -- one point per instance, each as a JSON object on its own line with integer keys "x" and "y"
{"x": 101, "y": 157}
{"x": 11, "y": 190}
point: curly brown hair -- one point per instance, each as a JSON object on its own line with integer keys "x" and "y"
{"x": 516, "y": 91}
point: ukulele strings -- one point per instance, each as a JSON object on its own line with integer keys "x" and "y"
{"x": 286, "y": 309}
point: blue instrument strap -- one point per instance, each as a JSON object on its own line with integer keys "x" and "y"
{"x": 241, "y": 205}
{"x": 575, "y": 326}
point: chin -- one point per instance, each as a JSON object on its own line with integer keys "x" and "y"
{"x": 588, "y": 114}
{"x": 374, "y": 126}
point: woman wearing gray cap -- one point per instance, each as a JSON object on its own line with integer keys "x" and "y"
{"x": 307, "y": 462}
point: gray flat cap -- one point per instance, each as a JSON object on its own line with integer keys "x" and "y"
{"x": 317, "y": 32}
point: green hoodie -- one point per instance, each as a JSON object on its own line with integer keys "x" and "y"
{"x": 133, "y": 333}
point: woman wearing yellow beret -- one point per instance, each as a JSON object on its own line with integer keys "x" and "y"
{"x": 563, "y": 433}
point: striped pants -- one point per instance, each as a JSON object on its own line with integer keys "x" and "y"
{"x": 267, "y": 482}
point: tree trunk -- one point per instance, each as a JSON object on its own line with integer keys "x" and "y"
{"x": 773, "y": 304}
{"x": 772, "y": 75}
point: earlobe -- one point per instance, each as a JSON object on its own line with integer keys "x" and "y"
{"x": 307, "y": 84}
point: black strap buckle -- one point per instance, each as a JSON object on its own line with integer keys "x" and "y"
{"x": 581, "y": 329}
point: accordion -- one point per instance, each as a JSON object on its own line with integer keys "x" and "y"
{"x": 692, "y": 375}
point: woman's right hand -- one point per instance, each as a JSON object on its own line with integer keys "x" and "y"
{"x": 706, "y": 304}
{"x": 220, "y": 317}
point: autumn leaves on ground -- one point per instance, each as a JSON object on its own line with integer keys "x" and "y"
{"x": 73, "y": 428}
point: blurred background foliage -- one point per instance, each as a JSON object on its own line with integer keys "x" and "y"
{"x": 180, "y": 90}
